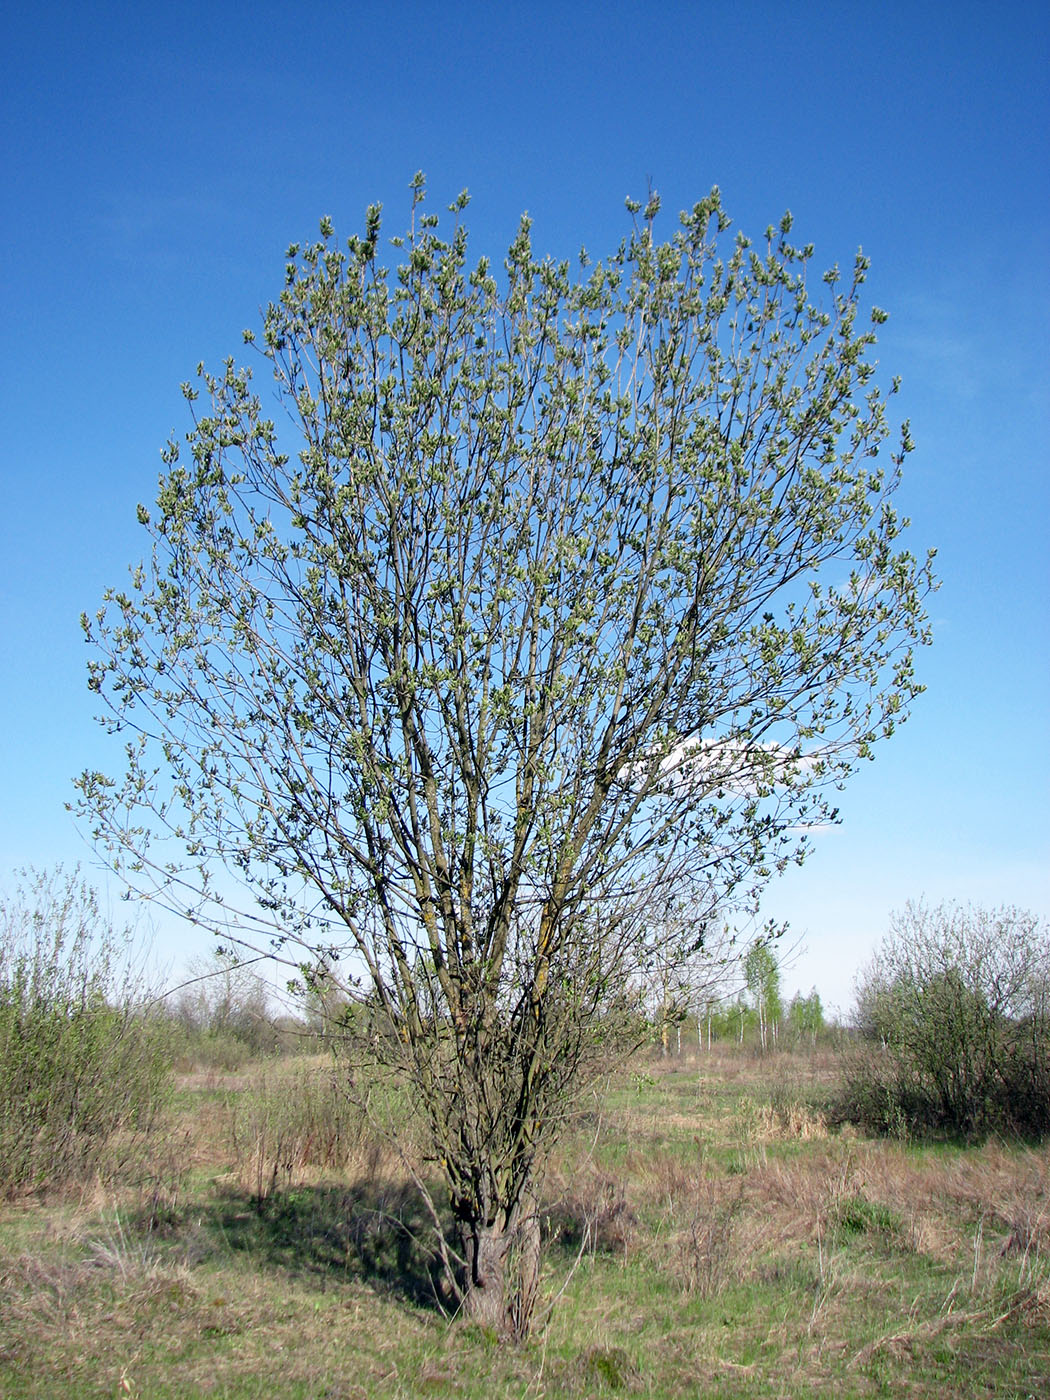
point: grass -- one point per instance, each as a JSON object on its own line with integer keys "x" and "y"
{"x": 708, "y": 1235}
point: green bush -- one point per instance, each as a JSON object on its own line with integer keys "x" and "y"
{"x": 80, "y": 1060}
{"x": 953, "y": 1017}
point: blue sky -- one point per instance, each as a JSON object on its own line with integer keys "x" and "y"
{"x": 158, "y": 160}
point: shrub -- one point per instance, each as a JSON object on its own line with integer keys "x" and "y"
{"x": 79, "y": 1058}
{"x": 954, "y": 1022}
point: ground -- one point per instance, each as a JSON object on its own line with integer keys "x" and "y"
{"x": 708, "y": 1235}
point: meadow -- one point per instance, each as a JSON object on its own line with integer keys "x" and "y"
{"x": 711, "y": 1231}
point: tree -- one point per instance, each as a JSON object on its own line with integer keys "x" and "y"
{"x": 806, "y": 1015}
{"x": 763, "y": 982}
{"x": 322, "y": 999}
{"x": 687, "y": 960}
{"x": 955, "y": 1010}
{"x": 543, "y": 599}
{"x": 225, "y": 999}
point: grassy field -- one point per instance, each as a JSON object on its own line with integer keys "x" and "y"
{"x": 707, "y": 1236}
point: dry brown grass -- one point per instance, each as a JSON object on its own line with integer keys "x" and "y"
{"x": 714, "y": 1230}
{"x": 738, "y": 1181}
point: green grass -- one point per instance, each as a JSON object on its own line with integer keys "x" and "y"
{"x": 707, "y": 1237}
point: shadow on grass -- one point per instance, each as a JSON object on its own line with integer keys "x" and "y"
{"x": 379, "y": 1233}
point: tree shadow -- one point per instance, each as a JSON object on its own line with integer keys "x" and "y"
{"x": 377, "y": 1232}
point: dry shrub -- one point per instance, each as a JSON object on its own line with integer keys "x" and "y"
{"x": 793, "y": 1197}
{"x": 294, "y": 1118}
{"x": 40, "y": 1291}
{"x": 1029, "y": 1230}
{"x": 47, "y": 1293}
{"x": 595, "y": 1370}
{"x": 701, "y": 1234}
{"x": 705, "y": 1246}
{"x": 1008, "y": 1189}
{"x": 996, "y": 1196}
{"x": 118, "y": 1250}
{"x": 791, "y": 1119}
{"x": 989, "y": 1307}
{"x": 806, "y": 1200}
{"x": 607, "y": 1368}
{"x": 590, "y": 1214}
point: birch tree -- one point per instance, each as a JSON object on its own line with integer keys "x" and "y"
{"x": 763, "y": 982}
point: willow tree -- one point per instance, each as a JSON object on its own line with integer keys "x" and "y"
{"x": 521, "y": 603}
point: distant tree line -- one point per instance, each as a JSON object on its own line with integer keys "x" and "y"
{"x": 722, "y": 996}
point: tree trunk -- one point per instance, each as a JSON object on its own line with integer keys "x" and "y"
{"x": 527, "y": 1271}
{"x": 485, "y": 1285}
{"x": 501, "y": 1286}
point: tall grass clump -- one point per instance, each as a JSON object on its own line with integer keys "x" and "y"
{"x": 953, "y": 1017}
{"x": 80, "y": 1061}
{"x": 292, "y": 1118}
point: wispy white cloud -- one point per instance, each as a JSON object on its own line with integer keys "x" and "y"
{"x": 738, "y": 767}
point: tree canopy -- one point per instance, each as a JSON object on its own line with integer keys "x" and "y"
{"x": 524, "y": 601}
